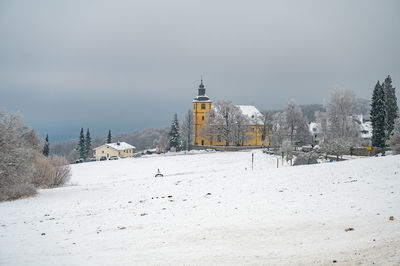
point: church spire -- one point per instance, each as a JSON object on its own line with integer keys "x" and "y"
{"x": 201, "y": 96}
{"x": 202, "y": 90}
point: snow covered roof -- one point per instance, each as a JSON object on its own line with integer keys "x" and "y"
{"x": 120, "y": 146}
{"x": 252, "y": 113}
{"x": 202, "y": 98}
{"x": 314, "y": 127}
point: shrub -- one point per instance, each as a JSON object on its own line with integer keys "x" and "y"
{"x": 306, "y": 158}
{"x": 17, "y": 191}
{"x": 51, "y": 172}
{"x": 62, "y": 171}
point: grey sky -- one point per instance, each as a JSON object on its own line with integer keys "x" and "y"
{"x": 128, "y": 65}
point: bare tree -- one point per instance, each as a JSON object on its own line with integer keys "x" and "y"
{"x": 267, "y": 119}
{"x": 222, "y": 120}
{"x": 278, "y": 132}
{"x": 296, "y": 125}
{"x": 187, "y": 130}
{"x": 394, "y": 141}
{"x": 241, "y": 128}
{"x": 162, "y": 143}
{"x": 16, "y": 158}
{"x": 341, "y": 118}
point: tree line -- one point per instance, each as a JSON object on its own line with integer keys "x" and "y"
{"x": 338, "y": 119}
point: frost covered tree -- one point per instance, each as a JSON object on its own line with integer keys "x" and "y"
{"x": 287, "y": 149}
{"x": 278, "y": 131}
{"x": 221, "y": 121}
{"x": 109, "y": 138}
{"x": 88, "y": 144}
{"x": 391, "y": 105}
{"x": 241, "y": 128}
{"x": 295, "y": 124}
{"x": 341, "y": 118}
{"x": 187, "y": 130}
{"x": 335, "y": 146}
{"x": 16, "y": 158}
{"x": 163, "y": 142}
{"x": 378, "y": 116}
{"x": 46, "y": 149}
{"x": 267, "y": 118}
{"x": 81, "y": 145}
{"x": 394, "y": 141}
{"x": 174, "y": 135}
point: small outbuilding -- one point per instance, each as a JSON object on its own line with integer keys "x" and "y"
{"x": 119, "y": 149}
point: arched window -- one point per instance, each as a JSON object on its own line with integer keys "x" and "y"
{"x": 203, "y": 106}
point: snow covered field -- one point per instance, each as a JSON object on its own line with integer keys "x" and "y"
{"x": 210, "y": 209}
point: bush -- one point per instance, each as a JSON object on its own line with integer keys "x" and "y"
{"x": 306, "y": 158}
{"x": 17, "y": 191}
{"x": 51, "y": 172}
{"x": 62, "y": 171}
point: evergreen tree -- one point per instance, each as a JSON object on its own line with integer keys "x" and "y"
{"x": 46, "y": 148}
{"x": 109, "y": 140}
{"x": 378, "y": 116}
{"x": 391, "y": 105}
{"x": 81, "y": 145}
{"x": 174, "y": 135}
{"x": 88, "y": 144}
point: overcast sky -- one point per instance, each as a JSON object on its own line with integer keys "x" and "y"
{"x": 128, "y": 65}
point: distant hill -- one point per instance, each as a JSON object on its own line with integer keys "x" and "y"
{"x": 141, "y": 139}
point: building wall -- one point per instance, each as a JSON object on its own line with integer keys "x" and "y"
{"x": 108, "y": 152}
{"x": 199, "y": 117}
{"x": 253, "y": 138}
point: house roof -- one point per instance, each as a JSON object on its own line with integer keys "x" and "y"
{"x": 252, "y": 113}
{"x": 119, "y": 146}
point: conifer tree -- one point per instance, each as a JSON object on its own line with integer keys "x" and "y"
{"x": 174, "y": 136}
{"x": 88, "y": 144}
{"x": 391, "y": 105}
{"x": 46, "y": 148}
{"x": 378, "y": 116}
{"x": 109, "y": 139}
{"x": 81, "y": 145}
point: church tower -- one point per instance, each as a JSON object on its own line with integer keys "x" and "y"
{"x": 201, "y": 104}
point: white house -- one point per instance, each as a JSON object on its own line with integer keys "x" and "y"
{"x": 120, "y": 149}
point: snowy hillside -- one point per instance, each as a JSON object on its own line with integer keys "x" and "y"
{"x": 210, "y": 208}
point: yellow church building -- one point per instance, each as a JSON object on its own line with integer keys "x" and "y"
{"x": 201, "y": 106}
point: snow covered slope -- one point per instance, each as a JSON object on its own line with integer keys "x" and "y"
{"x": 210, "y": 209}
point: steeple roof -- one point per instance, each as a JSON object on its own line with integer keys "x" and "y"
{"x": 201, "y": 96}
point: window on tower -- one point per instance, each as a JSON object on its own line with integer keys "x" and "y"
{"x": 202, "y": 118}
{"x": 203, "y": 106}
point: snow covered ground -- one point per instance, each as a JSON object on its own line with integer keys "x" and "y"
{"x": 210, "y": 209}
